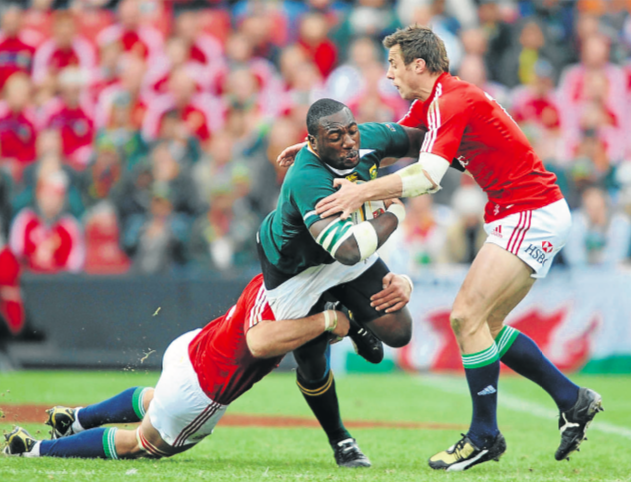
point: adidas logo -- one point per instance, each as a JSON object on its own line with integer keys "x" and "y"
{"x": 487, "y": 391}
{"x": 497, "y": 231}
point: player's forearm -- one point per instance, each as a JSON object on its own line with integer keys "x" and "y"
{"x": 270, "y": 339}
{"x": 355, "y": 249}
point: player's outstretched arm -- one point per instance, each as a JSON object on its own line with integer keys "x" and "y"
{"x": 287, "y": 157}
{"x": 415, "y": 140}
{"x": 274, "y": 338}
{"x": 351, "y": 243}
{"x": 422, "y": 177}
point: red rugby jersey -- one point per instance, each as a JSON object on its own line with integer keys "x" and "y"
{"x": 17, "y": 135}
{"x": 464, "y": 122}
{"x": 219, "y": 353}
{"x": 15, "y": 56}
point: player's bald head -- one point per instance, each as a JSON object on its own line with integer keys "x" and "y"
{"x": 319, "y": 109}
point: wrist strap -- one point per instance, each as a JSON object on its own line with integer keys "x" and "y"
{"x": 330, "y": 320}
{"x": 407, "y": 278}
{"x": 398, "y": 211}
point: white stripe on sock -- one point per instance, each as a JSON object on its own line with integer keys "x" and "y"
{"x": 458, "y": 386}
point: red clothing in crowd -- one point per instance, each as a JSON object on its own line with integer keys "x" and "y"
{"x": 17, "y": 135}
{"x": 77, "y": 131}
{"x": 324, "y": 55}
{"x": 11, "y": 305}
{"x": 219, "y": 353}
{"x": 15, "y": 56}
{"x": 145, "y": 42}
{"x": 47, "y": 248}
{"x": 51, "y": 59}
{"x": 464, "y": 122}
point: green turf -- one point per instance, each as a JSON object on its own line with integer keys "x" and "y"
{"x": 303, "y": 454}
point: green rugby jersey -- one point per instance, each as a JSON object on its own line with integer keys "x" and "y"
{"x": 284, "y": 235}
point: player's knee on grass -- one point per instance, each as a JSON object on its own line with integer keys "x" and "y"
{"x": 147, "y": 397}
{"x": 394, "y": 329}
{"x": 127, "y": 446}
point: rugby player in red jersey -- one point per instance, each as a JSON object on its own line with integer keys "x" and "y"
{"x": 203, "y": 372}
{"x": 527, "y": 221}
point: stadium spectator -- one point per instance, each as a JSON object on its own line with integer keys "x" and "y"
{"x": 368, "y": 18}
{"x": 44, "y": 239}
{"x": 16, "y": 55}
{"x": 600, "y": 235}
{"x": 216, "y": 168}
{"x": 420, "y": 240}
{"x": 18, "y": 133}
{"x": 201, "y": 48}
{"x": 499, "y": 39}
{"x": 536, "y": 109}
{"x": 314, "y": 30}
{"x": 64, "y": 49}
{"x": 595, "y": 84}
{"x": 126, "y": 90}
{"x": 473, "y": 69}
{"x": 49, "y": 160}
{"x": 107, "y": 72}
{"x": 103, "y": 254}
{"x": 174, "y": 178}
{"x": 223, "y": 237}
{"x": 103, "y": 173}
{"x": 71, "y": 114}
{"x": 177, "y": 56}
{"x": 465, "y": 236}
{"x": 157, "y": 242}
{"x": 135, "y": 37}
{"x": 518, "y": 64}
{"x": 200, "y": 112}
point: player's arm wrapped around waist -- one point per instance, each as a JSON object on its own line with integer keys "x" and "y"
{"x": 351, "y": 243}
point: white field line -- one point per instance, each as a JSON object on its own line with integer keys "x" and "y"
{"x": 458, "y": 386}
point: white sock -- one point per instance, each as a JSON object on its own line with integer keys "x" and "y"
{"x": 76, "y": 425}
{"x": 34, "y": 452}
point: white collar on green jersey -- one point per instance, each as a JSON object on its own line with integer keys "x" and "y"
{"x": 342, "y": 172}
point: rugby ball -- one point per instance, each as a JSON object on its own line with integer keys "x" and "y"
{"x": 370, "y": 210}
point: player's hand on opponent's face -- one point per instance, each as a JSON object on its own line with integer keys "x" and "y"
{"x": 346, "y": 200}
{"x": 288, "y": 156}
{"x": 394, "y": 296}
{"x": 343, "y": 325}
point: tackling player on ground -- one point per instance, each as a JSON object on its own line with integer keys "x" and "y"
{"x": 203, "y": 372}
{"x": 306, "y": 257}
{"x": 527, "y": 221}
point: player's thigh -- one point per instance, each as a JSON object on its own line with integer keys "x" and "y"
{"x": 395, "y": 329}
{"x": 497, "y": 280}
{"x": 180, "y": 413}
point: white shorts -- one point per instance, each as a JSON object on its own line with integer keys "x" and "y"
{"x": 535, "y": 236}
{"x": 180, "y": 410}
{"x": 295, "y": 297}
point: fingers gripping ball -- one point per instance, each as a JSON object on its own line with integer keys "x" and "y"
{"x": 369, "y": 210}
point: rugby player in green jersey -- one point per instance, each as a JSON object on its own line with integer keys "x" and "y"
{"x": 307, "y": 260}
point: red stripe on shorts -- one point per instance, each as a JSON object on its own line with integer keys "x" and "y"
{"x": 529, "y": 217}
{"x": 515, "y": 231}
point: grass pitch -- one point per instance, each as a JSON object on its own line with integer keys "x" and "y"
{"x": 526, "y": 416}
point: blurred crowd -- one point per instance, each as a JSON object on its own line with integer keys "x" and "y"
{"x": 141, "y": 135}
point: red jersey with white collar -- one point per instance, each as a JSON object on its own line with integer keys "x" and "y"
{"x": 464, "y": 122}
{"x": 220, "y": 354}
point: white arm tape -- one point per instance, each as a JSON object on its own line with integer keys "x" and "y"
{"x": 366, "y": 238}
{"x": 334, "y": 235}
{"x": 414, "y": 178}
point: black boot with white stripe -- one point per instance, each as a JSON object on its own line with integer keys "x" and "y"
{"x": 574, "y": 422}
